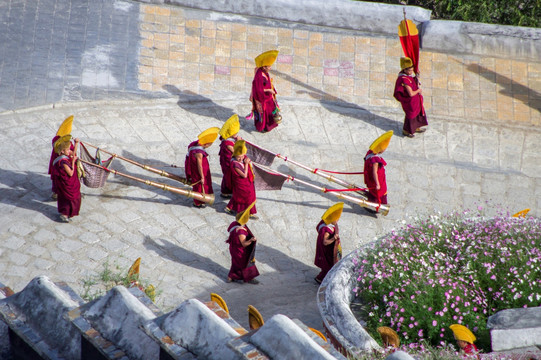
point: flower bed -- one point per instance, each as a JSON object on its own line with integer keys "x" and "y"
{"x": 457, "y": 268}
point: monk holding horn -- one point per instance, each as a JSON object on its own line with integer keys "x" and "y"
{"x": 196, "y": 164}
{"x": 328, "y": 248}
{"x": 229, "y": 133}
{"x": 374, "y": 170}
{"x": 242, "y": 249}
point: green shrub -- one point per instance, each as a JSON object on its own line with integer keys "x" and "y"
{"x": 503, "y": 12}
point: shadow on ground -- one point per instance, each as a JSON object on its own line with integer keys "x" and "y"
{"x": 28, "y": 190}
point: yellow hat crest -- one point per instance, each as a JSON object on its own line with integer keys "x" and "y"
{"x": 208, "y": 136}
{"x": 65, "y": 128}
{"x": 60, "y": 143}
{"x": 243, "y": 217}
{"x": 266, "y": 59}
{"x": 333, "y": 213}
{"x": 380, "y": 144}
{"x": 230, "y": 127}
{"x": 240, "y": 148}
{"x": 405, "y": 62}
{"x": 462, "y": 333}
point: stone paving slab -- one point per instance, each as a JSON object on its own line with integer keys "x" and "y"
{"x": 183, "y": 249}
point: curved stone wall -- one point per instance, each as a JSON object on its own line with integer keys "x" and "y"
{"x": 333, "y": 299}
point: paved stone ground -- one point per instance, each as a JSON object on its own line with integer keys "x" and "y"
{"x": 458, "y": 164}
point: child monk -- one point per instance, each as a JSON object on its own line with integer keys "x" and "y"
{"x": 197, "y": 166}
{"x": 374, "y": 170}
{"x": 242, "y": 181}
{"x": 228, "y": 136}
{"x": 65, "y": 179}
{"x": 328, "y": 248}
{"x": 465, "y": 339}
{"x": 63, "y": 130}
{"x": 242, "y": 249}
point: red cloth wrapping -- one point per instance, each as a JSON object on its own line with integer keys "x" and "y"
{"x": 324, "y": 253}
{"x": 243, "y": 189}
{"x": 242, "y": 258}
{"x": 378, "y": 196}
{"x": 225, "y": 163}
{"x": 67, "y": 187}
{"x": 192, "y": 173}
{"x": 263, "y": 102}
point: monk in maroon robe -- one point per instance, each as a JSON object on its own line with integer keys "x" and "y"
{"x": 263, "y": 100}
{"x": 374, "y": 177}
{"x": 54, "y": 155}
{"x": 242, "y": 180}
{"x": 328, "y": 243}
{"x": 66, "y": 182}
{"x": 242, "y": 249}
{"x": 226, "y": 152}
{"x": 407, "y": 90}
{"x": 198, "y": 170}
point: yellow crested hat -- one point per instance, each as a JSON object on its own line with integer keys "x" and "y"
{"x": 380, "y": 144}
{"x": 462, "y": 333}
{"x": 230, "y": 127}
{"x": 266, "y": 59}
{"x": 243, "y": 217}
{"x": 208, "y": 136}
{"x": 389, "y": 336}
{"x": 65, "y": 128}
{"x": 240, "y": 148}
{"x": 333, "y": 213}
{"x": 58, "y": 144}
{"x": 405, "y": 62}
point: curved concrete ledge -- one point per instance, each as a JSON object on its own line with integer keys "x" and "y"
{"x": 482, "y": 39}
{"x": 334, "y": 297}
{"x": 514, "y": 42}
{"x": 345, "y": 14}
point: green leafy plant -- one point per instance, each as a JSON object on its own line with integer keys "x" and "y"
{"x": 95, "y": 286}
{"x": 503, "y": 12}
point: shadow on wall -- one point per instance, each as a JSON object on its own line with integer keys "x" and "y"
{"x": 511, "y": 88}
{"x": 333, "y": 104}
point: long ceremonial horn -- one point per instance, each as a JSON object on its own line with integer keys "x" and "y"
{"x": 315, "y": 171}
{"x": 380, "y": 208}
{"x": 207, "y": 198}
{"x": 146, "y": 167}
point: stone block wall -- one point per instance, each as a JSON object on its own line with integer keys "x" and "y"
{"x": 211, "y": 54}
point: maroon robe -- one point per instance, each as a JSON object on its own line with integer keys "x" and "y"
{"x": 54, "y": 155}
{"x": 325, "y": 254}
{"x": 243, "y": 188}
{"x": 192, "y": 173}
{"x": 412, "y": 106}
{"x": 374, "y": 195}
{"x": 263, "y": 103}
{"x": 242, "y": 258}
{"x": 225, "y": 163}
{"x": 68, "y": 188}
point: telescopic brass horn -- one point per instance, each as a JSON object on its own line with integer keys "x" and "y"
{"x": 146, "y": 167}
{"x": 380, "y": 208}
{"x": 206, "y": 198}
